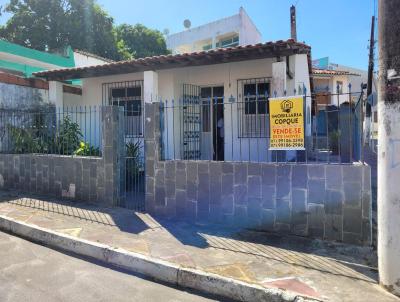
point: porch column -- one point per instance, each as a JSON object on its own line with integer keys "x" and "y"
{"x": 56, "y": 93}
{"x": 151, "y": 137}
{"x": 150, "y": 83}
{"x": 278, "y": 78}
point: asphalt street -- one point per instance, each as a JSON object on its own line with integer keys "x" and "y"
{"x": 30, "y": 272}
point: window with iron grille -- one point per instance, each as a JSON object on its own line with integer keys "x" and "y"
{"x": 127, "y": 94}
{"x": 253, "y": 107}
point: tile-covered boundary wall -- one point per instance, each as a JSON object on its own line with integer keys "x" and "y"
{"x": 92, "y": 179}
{"x": 331, "y": 202}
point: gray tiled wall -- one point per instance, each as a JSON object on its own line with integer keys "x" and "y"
{"x": 318, "y": 200}
{"x": 94, "y": 179}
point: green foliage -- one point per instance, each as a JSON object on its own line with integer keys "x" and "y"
{"x": 85, "y": 149}
{"x": 37, "y": 139}
{"x": 133, "y": 160}
{"x": 334, "y": 137}
{"x": 32, "y": 138}
{"x": 142, "y": 41}
{"x": 51, "y": 25}
{"x": 69, "y": 137}
{"x": 23, "y": 141}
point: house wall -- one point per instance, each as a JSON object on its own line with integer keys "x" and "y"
{"x": 72, "y": 100}
{"x": 92, "y": 87}
{"x": 216, "y": 75}
{"x": 170, "y": 88}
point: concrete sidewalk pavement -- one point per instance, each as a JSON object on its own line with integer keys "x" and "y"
{"x": 298, "y": 266}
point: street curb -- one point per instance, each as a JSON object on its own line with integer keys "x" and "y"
{"x": 155, "y": 268}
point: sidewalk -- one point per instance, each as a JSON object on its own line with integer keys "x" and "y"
{"x": 325, "y": 271}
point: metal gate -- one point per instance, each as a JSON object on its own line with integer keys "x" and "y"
{"x": 191, "y": 122}
{"x": 129, "y": 95}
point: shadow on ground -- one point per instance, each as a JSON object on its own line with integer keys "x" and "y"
{"x": 113, "y": 217}
{"x": 333, "y": 258}
{"x": 329, "y": 257}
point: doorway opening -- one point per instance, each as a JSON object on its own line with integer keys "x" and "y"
{"x": 212, "y": 103}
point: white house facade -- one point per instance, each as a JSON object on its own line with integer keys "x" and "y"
{"x": 228, "y": 87}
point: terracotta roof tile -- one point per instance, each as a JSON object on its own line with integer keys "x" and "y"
{"x": 214, "y": 56}
{"x": 329, "y": 72}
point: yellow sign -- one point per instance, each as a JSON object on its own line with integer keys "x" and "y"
{"x": 286, "y": 122}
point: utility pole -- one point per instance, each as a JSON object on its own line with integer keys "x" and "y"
{"x": 389, "y": 146}
{"x": 370, "y": 64}
{"x": 367, "y": 125}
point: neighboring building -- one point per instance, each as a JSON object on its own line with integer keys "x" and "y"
{"x": 227, "y": 32}
{"x": 24, "y": 61}
{"x": 331, "y": 78}
{"x": 239, "y": 77}
{"x": 18, "y": 89}
{"x": 331, "y": 87}
{"x": 84, "y": 58}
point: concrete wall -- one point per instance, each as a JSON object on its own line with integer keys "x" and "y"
{"x": 323, "y": 201}
{"x": 90, "y": 179}
{"x": 22, "y": 97}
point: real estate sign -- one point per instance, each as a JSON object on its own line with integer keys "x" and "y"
{"x": 286, "y": 122}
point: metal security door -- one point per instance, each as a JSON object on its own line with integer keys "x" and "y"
{"x": 191, "y": 122}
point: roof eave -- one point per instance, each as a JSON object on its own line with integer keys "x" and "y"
{"x": 219, "y": 56}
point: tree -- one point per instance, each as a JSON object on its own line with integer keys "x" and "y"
{"x": 141, "y": 41}
{"x": 50, "y": 25}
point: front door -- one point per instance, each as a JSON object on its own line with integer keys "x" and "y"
{"x": 212, "y": 103}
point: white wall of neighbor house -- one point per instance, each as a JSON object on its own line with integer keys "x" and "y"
{"x": 82, "y": 59}
{"x": 195, "y": 38}
{"x": 331, "y": 82}
{"x": 248, "y": 32}
{"x": 343, "y": 94}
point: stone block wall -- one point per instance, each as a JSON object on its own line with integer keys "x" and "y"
{"x": 324, "y": 201}
{"x": 93, "y": 179}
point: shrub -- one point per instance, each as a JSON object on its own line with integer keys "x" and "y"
{"x": 69, "y": 137}
{"x": 86, "y": 150}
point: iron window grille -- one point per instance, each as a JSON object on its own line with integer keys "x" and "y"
{"x": 127, "y": 94}
{"x": 253, "y": 107}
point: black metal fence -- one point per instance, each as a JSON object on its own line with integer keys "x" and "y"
{"x": 134, "y": 174}
{"x": 51, "y": 130}
{"x": 227, "y": 129}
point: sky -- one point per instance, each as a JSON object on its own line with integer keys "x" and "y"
{"x": 339, "y": 29}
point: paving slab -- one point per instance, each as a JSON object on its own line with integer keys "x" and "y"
{"x": 325, "y": 271}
